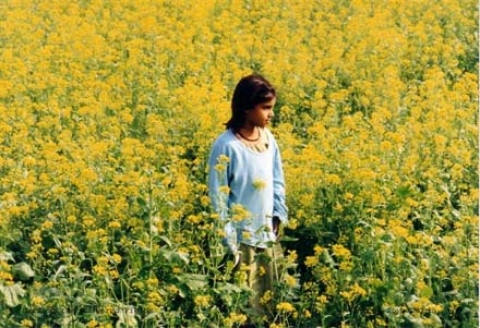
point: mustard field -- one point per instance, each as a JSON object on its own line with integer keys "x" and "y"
{"x": 108, "y": 109}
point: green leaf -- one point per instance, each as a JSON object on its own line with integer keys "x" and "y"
{"x": 228, "y": 288}
{"x": 59, "y": 271}
{"x": 183, "y": 257}
{"x": 142, "y": 202}
{"x": 328, "y": 259}
{"x": 426, "y": 292}
{"x": 166, "y": 240}
{"x": 6, "y": 256}
{"x": 23, "y": 271}
{"x": 403, "y": 191}
{"x": 228, "y": 292}
{"x": 182, "y": 291}
{"x": 12, "y": 293}
{"x": 436, "y": 319}
{"x": 288, "y": 239}
{"x": 194, "y": 281}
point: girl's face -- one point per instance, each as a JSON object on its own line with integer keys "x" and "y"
{"x": 261, "y": 114}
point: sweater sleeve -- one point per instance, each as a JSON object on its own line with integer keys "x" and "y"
{"x": 218, "y": 188}
{"x": 280, "y": 209}
{"x": 218, "y": 180}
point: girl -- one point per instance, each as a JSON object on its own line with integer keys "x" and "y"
{"x": 246, "y": 184}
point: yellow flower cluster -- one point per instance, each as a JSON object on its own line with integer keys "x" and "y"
{"x": 239, "y": 213}
{"x": 285, "y": 307}
{"x": 202, "y": 300}
{"x": 234, "y": 319}
{"x": 353, "y": 292}
{"x": 259, "y": 184}
{"x": 108, "y": 110}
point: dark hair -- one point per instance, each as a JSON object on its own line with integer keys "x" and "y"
{"x": 250, "y": 91}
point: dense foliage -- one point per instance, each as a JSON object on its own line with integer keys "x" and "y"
{"x": 107, "y": 112}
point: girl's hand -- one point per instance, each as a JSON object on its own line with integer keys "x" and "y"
{"x": 275, "y": 225}
{"x": 236, "y": 260}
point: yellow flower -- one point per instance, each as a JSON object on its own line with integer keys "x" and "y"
{"x": 266, "y": 297}
{"x": 52, "y": 251}
{"x": 205, "y": 200}
{"x": 38, "y": 300}
{"x": 102, "y": 260}
{"x": 234, "y": 319}
{"x": 6, "y": 276}
{"x": 261, "y": 271}
{"x": 222, "y": 163}
{"x": 290, "y": 281}
{"x": 89, "y": 129}
{"x": 220, "y": 168}
{"x": 239, "y": 213}
{"x": 92, "y": 323}
{"x": 115, "y": 224}
{"x": 246, "y": 234}
{"x": 318, "y": 250}
{"x": 100, "y": 270}
{"x": 224, "y": 190}
{"x": 223, "y": 159}
{"x": 292, "y": 224}
{"x": 116, "y": 258}
{"x": 311, "y": 261}
{"x": 194, "y": 219}
{"x": 379, "y": 322}
{"x": 320, "y": 301}
{"x": 47, "y": 225}
{"x": 346, "y": 265}
{"x": 114, "y": 274}
{"x": 353, "y": 292}
{"x": 172, "y": 289}
{"x": 333, "y": 179}
{"x": 202, "y": 300}
{"x": 358, "y": 290}
{"x": 109, "y": 310}
{"x": 32, "y": 255}
{"x": 341, "y": 251}
{"x": 259, "y": 184}
{"x": 88, "y": 221}
{"x": 29, "y": 161}
{"x": 285, "y": 307}
{"x": 71, "y": 219}
{"x": 275, "y": 325}
{"x": 152, "y": 282}
{"x": 155, "y": 298}
{"x": 138, "y": 285}
{"x": 5, "y": 266}
{"x": 292, "y": 256}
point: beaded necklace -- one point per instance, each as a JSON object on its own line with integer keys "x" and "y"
{"x": 259, "y": 144}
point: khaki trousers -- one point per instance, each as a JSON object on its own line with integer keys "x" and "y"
{"x": 260, "y": 267}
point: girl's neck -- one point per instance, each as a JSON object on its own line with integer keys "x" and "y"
{"x": 248, "y": 128}
{"x": 249, "y": 133}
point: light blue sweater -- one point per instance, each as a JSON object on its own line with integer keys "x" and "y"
{"x": 255, "y": 193}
